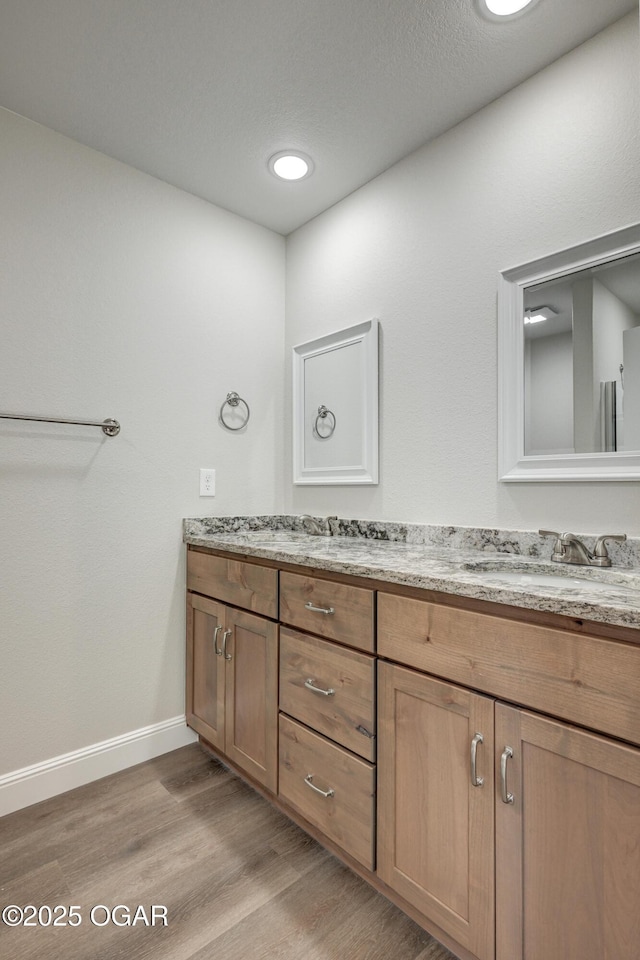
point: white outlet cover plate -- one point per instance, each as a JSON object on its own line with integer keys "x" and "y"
{"x": 207, "y": 482}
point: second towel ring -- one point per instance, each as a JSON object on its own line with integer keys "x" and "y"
{"x": 233, "y": 400}
{"x": 322, "y": 415}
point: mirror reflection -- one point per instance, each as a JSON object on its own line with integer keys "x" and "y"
{"x": 582, "y": 361}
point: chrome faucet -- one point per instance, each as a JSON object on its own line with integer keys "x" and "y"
{"x": 317, "y": 528}
{"x": 569, "y": 549}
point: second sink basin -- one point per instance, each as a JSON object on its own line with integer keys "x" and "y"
{"x": 546, "y": 580}
{"x": 509, "y": 571}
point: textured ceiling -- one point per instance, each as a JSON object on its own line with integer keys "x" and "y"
{"x": 200, "y": 93}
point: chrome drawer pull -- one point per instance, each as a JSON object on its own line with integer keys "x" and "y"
{"x": 326, "y": 610}
{"x": 216, "y": 631}
{"x": 309, "y": 684}
{"x": 225, "y": 637}
{"x": 476, "y": 781}
{"x": 506, "y": 796}
{"x": 323, "y": 793}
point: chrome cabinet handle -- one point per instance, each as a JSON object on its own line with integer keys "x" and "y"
{"x": 225, "y": 637}
{"x": 216, "y": 631}
{"x": 476, "y": 781}
{"x": 309, "y": 684}
{"x": 323, "y": 793}
{"x": 506, "y": 796}
{"x": 326, "y": 610}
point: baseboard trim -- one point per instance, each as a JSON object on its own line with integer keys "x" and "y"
{"x": 30, "y": 785}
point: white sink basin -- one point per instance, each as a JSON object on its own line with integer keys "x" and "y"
{"x": 268, "y": 537}
{"x": 507, "y": 570}
{"x": 547, "y": 580}
{"x": 272, "y": 536}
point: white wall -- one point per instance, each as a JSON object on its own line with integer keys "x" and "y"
{"x": 553, "y": 163}
{"x": 549, "y": 394}
{"x": 121, "y": 297}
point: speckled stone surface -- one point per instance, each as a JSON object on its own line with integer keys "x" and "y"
{"x": 493, "y": 565}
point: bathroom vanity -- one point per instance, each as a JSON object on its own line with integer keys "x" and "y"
{"x": 470, "y": 746}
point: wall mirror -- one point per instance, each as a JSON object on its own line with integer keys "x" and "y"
{"x": 335, "y": 407}
{"x": 569, "y": 364}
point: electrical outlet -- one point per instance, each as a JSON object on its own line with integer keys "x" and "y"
{"x": 207, "y": 482}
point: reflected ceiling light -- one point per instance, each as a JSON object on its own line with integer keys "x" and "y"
{"x": 499, "y": 9}
{"x": 290, "y": 165}
{"x": 538, "y": 314}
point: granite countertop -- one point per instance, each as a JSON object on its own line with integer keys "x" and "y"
{"x": 493, "y": 565}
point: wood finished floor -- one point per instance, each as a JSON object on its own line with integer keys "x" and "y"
{"x": 240, "y": 882}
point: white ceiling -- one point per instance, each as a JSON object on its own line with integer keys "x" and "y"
{"x": 200, "y": 93}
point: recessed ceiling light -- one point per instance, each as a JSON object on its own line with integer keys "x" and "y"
{"x": 290, "y": 165}
{"x": 500, "y": 9}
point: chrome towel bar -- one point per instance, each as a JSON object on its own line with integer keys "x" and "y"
{"x": 109, "y": 427}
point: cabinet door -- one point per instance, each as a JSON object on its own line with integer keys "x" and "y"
{"x": 436, "y": 829}
{"x": 568, "y": 843}
{"x": 205, "y": 668}
{"x": 251, "y": 699}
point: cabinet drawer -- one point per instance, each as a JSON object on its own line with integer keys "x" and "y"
{"x": 334, "y": 610}
{"x": 345, "y": 711}
{"x": 242, "y": 584}
{"x": 587, "y": 680}
{"x": 347, "y": 815}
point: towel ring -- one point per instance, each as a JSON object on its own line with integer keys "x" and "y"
{"x": 233, "y": 400}
{"x": 322, "y": 415}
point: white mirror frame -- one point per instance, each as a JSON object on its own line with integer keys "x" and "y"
{"x": 366, "y": 471}
{"x": 513, "y": 465}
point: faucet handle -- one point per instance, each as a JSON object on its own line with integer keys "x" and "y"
{"x": 600, "y": 553}
{"x": 558, "y": 546}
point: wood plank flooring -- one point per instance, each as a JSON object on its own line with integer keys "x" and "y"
{"x": 239, "y": 881}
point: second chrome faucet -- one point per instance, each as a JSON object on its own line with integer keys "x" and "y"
{"x": 569, "y": 549}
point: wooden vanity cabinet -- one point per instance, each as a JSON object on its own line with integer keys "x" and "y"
{"x": 493, "y": 791}
{"x": 232, "y": 679}
{"x": 566, "y": 801}
{"x": 327, "y": 748}
{"x": 436, "y": 815}
{"x": 567, "y": 843}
